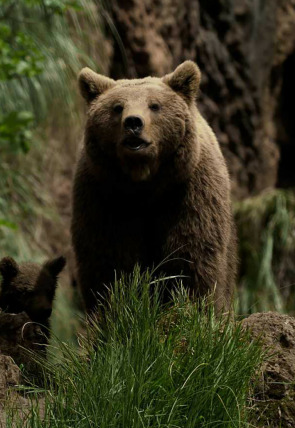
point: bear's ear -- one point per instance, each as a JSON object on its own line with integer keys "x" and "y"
{"x": 55, "y": 266}
{"x": 92, "y": 84}
{"x": 185, "y": 80}
{"x": 8, "y": 268}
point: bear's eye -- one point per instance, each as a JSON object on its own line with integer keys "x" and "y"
{"x": 154, "y": 106}
{"x": 118, "y": 108}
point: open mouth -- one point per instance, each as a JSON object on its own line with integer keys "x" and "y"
{"x": 135, "y": 143}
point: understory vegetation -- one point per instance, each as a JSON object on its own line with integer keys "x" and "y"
{"x": 139, "y": 364}
{"x": 43, "y": 45}
{"x": 266, "y": 226}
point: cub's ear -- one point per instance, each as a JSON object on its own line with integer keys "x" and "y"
{"x": 55, "y": 266}
{"x": 92, "y": 84}
{"x": 185, "y": 80}
{"x": 8, "y": 267}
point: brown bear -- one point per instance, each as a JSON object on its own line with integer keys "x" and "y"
{"x": 30, "y": 288}
{"x": 151, "y": 185}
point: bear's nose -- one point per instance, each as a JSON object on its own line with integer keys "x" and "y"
{"x": 134, "y": 123}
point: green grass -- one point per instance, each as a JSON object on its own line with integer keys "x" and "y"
{"x": 64, "y": 35}
{"x": 22, "y": 203}
{"x": 59, "y": 32}
{"x": 145, "y": 365}
{"x": 66, "y": 320}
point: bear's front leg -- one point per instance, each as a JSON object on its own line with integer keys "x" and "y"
{"x": 199, "y": 240}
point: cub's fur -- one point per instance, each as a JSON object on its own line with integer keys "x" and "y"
{"x": 29, "y": 288}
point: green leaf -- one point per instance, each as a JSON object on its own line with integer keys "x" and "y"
{"x": 15, "y": 131}
{"x": 8, "y": 224}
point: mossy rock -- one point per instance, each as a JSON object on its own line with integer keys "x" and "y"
{"x": 273, "y": 403}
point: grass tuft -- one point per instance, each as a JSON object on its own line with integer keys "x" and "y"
{"x": 140, "y": 364}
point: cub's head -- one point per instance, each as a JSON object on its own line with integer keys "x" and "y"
{"x": 29, "y": 287}
{"x": 142, "y": 124}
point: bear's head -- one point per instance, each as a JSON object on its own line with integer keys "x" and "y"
{"x": 29, "y": 287}
{"x": 141, "y": 126}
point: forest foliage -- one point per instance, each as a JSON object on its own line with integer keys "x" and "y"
{"x": 42, "y": 48}
{"x": 23, "y": 59}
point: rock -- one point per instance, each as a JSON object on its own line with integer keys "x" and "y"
{"x": 274, "y": 400}
{"x": 9, "y": 378}
{"x": 9, "y": 375}
{"x": 13, "y": 402}
{"x": 19, "y": 336}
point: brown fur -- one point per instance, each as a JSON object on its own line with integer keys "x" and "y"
{"x": 170, "y": 198}
{"x": 29, "y": 288}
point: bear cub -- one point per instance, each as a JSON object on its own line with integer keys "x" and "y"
{"x": 30, "y": 288}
